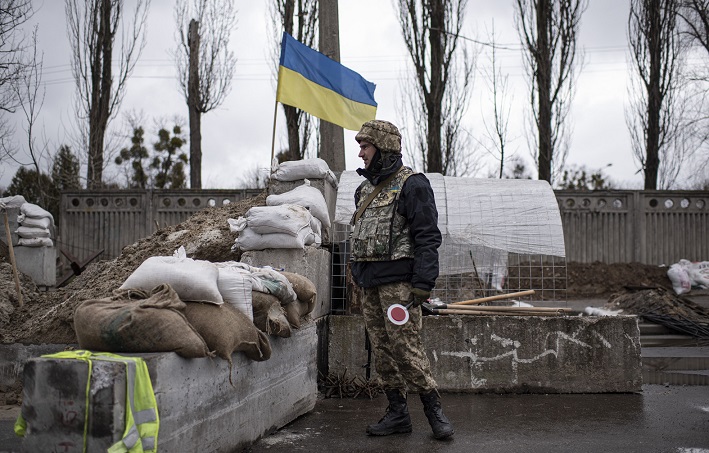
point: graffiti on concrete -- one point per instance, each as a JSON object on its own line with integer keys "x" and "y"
{"x": 512, "y": 353}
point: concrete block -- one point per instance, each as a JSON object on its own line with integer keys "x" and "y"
{"x": 509, "y": 354}
{"x": 199, "y": 409}
{"x": 12, "y": 214}
{"x": 54, "y": 405}
{"x": 311, "y": 262}
{"x": 39, "y": 263}
{"x": 325, "y": 186}
{"x": 14, "y": 356}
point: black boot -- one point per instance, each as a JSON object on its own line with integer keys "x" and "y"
{"x": 442, "y": 427}
{"x": 396, "y": 420}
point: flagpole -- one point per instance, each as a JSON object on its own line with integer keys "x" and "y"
{"x": 273, "y": 135}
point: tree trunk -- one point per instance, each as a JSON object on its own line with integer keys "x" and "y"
{"x": 434, "y": 156}
{"x": 544, "y": 90}
{"x": 101, "y": 96}
{"x": 654, "y": 106}
{"x": 193, "y": 101}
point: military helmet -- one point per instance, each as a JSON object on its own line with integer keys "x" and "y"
{"x": 382, "y": 134}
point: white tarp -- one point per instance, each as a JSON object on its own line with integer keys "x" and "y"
{"x": 482, "y": 219}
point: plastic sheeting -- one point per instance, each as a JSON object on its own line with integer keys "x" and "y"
{"x": 482, "y": 220}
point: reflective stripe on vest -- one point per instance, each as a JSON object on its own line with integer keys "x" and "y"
{"x": 141, "y": 421}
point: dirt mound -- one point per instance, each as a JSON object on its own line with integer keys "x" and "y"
{"x": 46, "y": 317}
{"x": 599, "y": 280}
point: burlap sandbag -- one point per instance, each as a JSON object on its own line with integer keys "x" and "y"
{"x": 307, "y": 295}
{"x": 226, "y": 330}
{"x": 138, "y": 321}
{"x": 269, "y": 316}
{"x": 305, "y": 291}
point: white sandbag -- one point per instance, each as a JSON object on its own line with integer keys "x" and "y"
{"x": 699, "y": 273}
{"x": 678, "y": 275}
{"x": 286, "y": 218}
{"x": 248, "y": 239}
{"x": 294, "y": 170}
{"x": 14, "y": 201}
{"x": 35, "y": 222}
{"x": 275, "y": 283}
{"x": 304, "y": 195}
{"x": 35, "y": 242}
{"x": 32, "y": 232}
{"x": 192, "y": 280}
{"x": 235, "y": 286}
{"x": 32, "y": 210}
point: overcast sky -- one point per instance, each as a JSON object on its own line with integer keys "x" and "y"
{"x": 237, "y": 136}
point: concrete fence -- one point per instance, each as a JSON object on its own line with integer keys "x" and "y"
{"x": 651, "y": 227}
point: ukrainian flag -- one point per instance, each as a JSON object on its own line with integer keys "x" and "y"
{"x": 323, "y": 87}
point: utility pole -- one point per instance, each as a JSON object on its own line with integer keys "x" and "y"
{"x": 193, "y": 100}
{"x": 332, "y": 139}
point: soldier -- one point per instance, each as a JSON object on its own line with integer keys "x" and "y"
{"x": 395, "y": 242}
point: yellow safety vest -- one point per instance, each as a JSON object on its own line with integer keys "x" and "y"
{"x": 142, "y": 421}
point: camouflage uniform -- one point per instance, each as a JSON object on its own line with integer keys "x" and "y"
{"x": 398, "y": 353}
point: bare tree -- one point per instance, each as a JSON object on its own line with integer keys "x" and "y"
{"x": 694, "y": 28}
{"x": 205, "y": 65}
{"x": 298, "y": 18}
{"x": 443, "y": 77}
{"x": 13, "y": 64}
{"x": 548, "y": 30}
{"x": 92, "y": 28}
{"x": 654, "y": 116}
{"x": 496, "y": 138}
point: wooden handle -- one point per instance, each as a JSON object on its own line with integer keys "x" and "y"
{"x": 12, "y": 259}
{"x": 497, "y": 297}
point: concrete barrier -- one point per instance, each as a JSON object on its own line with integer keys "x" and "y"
{"x": 199, "y": 409}
{"x": 510, "y": 354}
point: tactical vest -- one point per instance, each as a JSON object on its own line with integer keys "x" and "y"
{"x": 141, "y": 422}
{"x": 381, "y": 233}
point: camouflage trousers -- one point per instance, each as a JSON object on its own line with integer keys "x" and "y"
{"x": 399, "y": 357}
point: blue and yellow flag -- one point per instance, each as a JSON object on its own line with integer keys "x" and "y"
{"x": 323, "y": 87}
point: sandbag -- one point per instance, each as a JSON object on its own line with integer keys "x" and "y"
{"x": 294, "y": 170}
{"x": 35, "y": 242}
{"x": 287, "y": 218}
{"x": 269, "y": 316}
{"x": 227, "y": 330}
{"x": 193, "y": 280}
{"x": 249, "y": 240}
{"x": 235, "y": 286}
{"x": 33, "y": 210}
{"x": 304, "y": 290}
{"x": 36, "y": 222}
{"x": 304, "y": 195}
{"x": 138, "y": 321}
{"x": 32, "y": 232}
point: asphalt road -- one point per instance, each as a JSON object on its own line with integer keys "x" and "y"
{"x": 659, "y": 419}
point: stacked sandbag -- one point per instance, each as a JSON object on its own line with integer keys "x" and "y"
{"x": 286, "y": 226}
{"x": 295, "y": 170}
{"x": 36, "y": 226}
{"x": 307, "y": 196}
{"x": 135, "y": 320}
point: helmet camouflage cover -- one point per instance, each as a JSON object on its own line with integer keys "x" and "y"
{"x": 382, "y": 134}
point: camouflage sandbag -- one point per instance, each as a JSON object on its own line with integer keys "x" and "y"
{"x": 269, "y": 316}
{"x": 138, "y": 321}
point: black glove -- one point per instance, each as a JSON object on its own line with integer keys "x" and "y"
{"x": 419, "y": 296}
